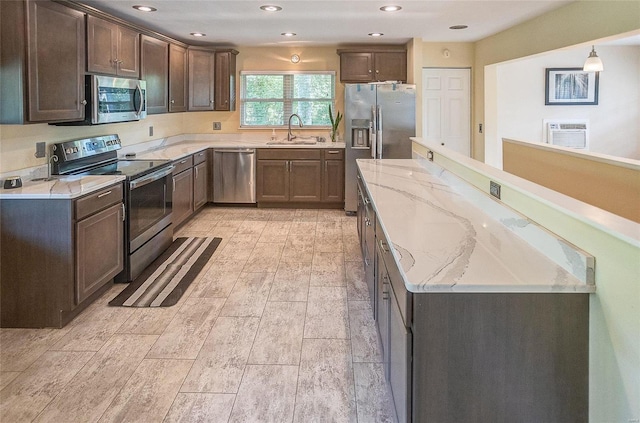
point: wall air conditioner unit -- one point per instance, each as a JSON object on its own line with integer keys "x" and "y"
{"x": 572, "y": 134}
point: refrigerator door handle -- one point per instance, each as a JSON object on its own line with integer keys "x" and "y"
{"x": 373, "y": 130}
{"x": 379, "y": 139}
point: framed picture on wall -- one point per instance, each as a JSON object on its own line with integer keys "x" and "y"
{"x": 570, "y": 86}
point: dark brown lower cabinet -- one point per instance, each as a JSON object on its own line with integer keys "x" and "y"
{"x": 200, "y": 185}
{"x": 191, "y": 186}
{"x": 305, "y": 180}
{"x": 480, "y": 357}
{"x": 295, "y": 177}
{"x": 500, "y": 357}
{"x": 395, "y": 335}
{"x": 333, "y": 177}
{"x": 95, "y": 234}
{"x": 182, "y": 196}
{"x": 58, "y": 256}
{"x": 272, "y": 180}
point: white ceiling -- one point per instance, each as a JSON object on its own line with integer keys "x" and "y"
{"x": 242, "y": 23}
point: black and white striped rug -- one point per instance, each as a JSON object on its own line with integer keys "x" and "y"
{"x": 168, "y": 277}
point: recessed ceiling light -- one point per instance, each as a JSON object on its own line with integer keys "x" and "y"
{"x": 289, "y": 34}
{"x": 145, "y": 8}
{"x": 376, "y": 34}
{"x": 198, "y": 34}
{"x": 458, "y": 27}
{"x": 271, "y": 8}
{"x": 390, "y": 8}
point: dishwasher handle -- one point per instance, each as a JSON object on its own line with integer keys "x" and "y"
{"x": 239, "y": 150}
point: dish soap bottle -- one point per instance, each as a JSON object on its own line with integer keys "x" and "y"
{"x": 273, "y": 135}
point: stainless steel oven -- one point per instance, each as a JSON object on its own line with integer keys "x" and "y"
{"x": 149, "y": 201}
{"x": 148, "y": 195}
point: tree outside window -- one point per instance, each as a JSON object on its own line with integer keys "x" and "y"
{"x": 267, "y": 99}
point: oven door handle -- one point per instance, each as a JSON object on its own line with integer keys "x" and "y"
{"x": 147, "y": 179}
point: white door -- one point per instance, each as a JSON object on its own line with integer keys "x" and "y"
{"x": 446, "y": 108}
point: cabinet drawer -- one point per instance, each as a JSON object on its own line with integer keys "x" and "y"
{"x": 182, "y": 164}
{"x": 200, "y": 157}
{"x": 333, "y": 153}
{"x": 288, "y": 154}
{"x": 96, "y": 201}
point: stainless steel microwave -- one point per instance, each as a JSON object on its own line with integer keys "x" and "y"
{"x": 115, "y": 99}
{"x": 111, "y": 100}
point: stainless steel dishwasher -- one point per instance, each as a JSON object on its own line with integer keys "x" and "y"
{"x": 234, "y": 175}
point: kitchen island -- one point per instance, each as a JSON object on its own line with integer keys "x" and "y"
{"x": 475, "y": 323}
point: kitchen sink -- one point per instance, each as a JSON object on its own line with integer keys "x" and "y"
{"x": 295, "y": 142}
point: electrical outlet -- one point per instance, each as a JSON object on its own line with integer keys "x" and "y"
{"x": 151, "y": 131}
{"x": 41, "y": 149}
{"x": 494, "y": 189}
{"x": 217, "y": 126}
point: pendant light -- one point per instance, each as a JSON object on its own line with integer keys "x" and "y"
{"x": 593, "y": 62}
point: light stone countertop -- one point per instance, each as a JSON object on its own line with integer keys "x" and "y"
{"x": 60, "y": 187}
{"x": 444, "y": 243}
{"x": 171, "y": 148}
{"x": 187, "y": 147}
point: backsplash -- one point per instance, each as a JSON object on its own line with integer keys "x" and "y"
{"x": 17, "y": 145}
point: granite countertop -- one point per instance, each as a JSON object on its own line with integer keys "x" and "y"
{"x": 444, "y": 243}
{"x": 60, "y": 187}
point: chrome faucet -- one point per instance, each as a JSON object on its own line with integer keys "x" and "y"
{"x": 290, "y": 136}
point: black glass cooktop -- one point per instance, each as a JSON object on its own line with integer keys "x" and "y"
{"x": 128, "y": 168}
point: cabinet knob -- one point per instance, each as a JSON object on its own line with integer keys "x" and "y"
{"x": 173, "y": 101}
{"x": 369, "y": 70}
{"x": 84, "y": 102}
{"x": 211, "y": 102}
{"x": 377, "y": 71}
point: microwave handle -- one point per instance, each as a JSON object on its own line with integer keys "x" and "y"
{"x": 139, "y": 109}
{"x": 93, "y": 104}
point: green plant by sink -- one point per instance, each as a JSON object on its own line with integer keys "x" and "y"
{"x": 334, "y": 124}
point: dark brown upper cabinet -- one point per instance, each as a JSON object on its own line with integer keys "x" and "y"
{"x": 212, "y": 79}
{"x": 112, "y": 49}
{"x": 178, "y": 86}
{"x": 43, "y": 74}
{"x": 225, "y": 80}
{"x": 373, "y": 65}
{"x": 201, "y": 79}
{"x": 154, "y": 68}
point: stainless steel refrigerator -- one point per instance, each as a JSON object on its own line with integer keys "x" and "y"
{"x": 379, "y": 119}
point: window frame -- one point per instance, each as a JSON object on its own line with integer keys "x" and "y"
{"x": 287, "y": 97}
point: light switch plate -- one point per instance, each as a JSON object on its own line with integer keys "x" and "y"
{"x": 494, "y": 189}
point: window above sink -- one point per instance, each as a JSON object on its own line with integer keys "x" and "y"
{"x": 267, "y": 99}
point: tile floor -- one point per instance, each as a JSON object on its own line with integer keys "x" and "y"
{"x": 276, "y": 328}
